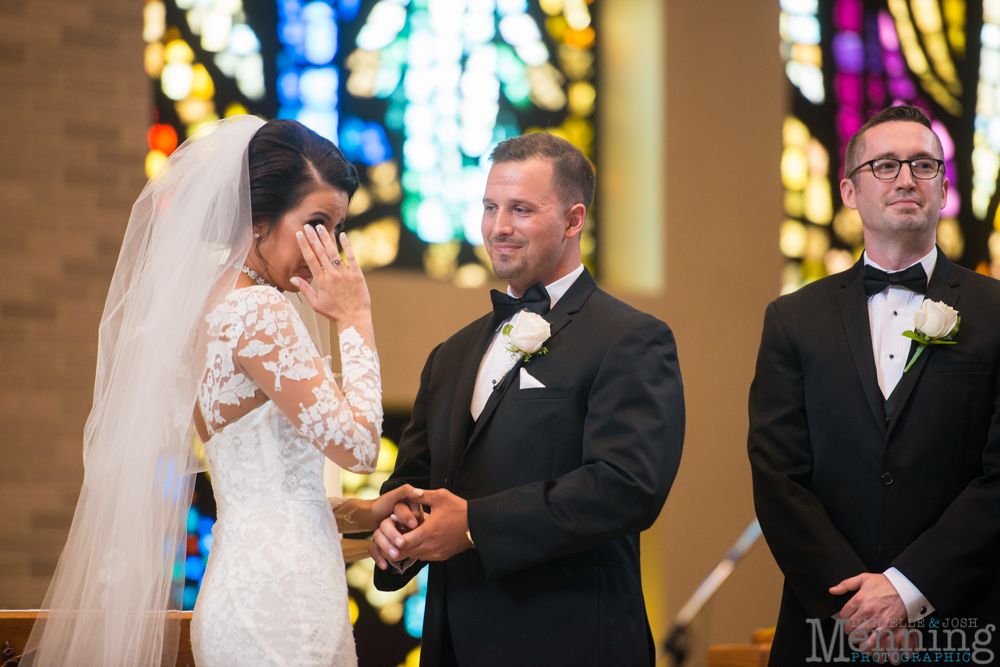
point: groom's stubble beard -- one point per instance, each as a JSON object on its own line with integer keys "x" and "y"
{"x": 507, "y": 268}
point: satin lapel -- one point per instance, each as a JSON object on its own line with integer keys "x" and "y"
{"x": 461, "y": 410}
{"x": 494, "y": 401}
{"x": 940, "y": 288}
{"x": 854, "y": 312}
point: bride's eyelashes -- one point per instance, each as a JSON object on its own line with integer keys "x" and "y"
{"x": 337, "y": 230}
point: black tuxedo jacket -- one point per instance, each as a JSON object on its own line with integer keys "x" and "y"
{"x": 560, "y": 481}
{"x": 847, "y": 482}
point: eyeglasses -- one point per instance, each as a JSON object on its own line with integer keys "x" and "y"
{"x": 887, "y": 169}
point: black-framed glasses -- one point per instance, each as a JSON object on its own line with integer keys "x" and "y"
{"x": 887, "y": 168}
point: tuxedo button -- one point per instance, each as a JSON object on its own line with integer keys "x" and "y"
{"x": 923, "y": 610}
{"x": 887, "y": 479}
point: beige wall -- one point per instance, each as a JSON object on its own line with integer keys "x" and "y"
{"x": 725, "y": 104}
{"x": 74, "y": 108}
{"x": 72, "y": 118}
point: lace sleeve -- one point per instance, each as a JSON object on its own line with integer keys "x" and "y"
{"x": 277, "y": 353}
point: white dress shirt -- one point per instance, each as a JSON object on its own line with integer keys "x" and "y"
{"x": 890, "y": 313}
{"x": 498, "y": 360}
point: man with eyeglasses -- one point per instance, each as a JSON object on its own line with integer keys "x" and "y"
{"x": 876, "y": 470}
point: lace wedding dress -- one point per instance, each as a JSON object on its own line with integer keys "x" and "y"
{"x": 275, "y": 592}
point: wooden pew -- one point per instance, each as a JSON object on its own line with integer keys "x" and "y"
{"x": 754, "y": 654}
{"x": 15, "y": 626}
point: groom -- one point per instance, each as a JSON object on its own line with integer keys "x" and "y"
{"x": 876, "y": 466}
{"x": 542, "y": 472}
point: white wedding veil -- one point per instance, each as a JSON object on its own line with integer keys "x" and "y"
{"x": 110, "y": 603}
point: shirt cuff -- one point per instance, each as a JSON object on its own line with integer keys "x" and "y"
{"x": 400, "y": 568}
{"x": 917, "y": 606}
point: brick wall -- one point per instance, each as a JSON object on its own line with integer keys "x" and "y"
{"x": 74, "y": 108}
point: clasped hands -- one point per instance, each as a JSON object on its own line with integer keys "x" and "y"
{"x": 411, "y": 533}
{"x": 875, "y": 607}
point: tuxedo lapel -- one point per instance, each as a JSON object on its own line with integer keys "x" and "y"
{"x": 558, "y": 318}
{"x": 854, "y": 312}
{"x": 461, "y": 411}
{"x": 942, "y": 287}
{"x": 494, "y": 399}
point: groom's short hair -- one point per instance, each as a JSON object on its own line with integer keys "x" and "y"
{"x": 901, "y": 112}
{"x": 572, "y": 173}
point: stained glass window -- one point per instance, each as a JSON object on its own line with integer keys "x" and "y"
{"x": 848, "y": 59}
{"x": 415, "y": 92}
{"x": 201, "y": 519}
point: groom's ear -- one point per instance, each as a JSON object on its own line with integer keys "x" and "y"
{"x": 848, "y": 191}
{"x": 576, "y": 216}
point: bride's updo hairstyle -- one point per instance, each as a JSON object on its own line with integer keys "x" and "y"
{"x": 287, "y": 162}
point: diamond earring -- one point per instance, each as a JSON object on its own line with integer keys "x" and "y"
{"x": 256, "y": 235}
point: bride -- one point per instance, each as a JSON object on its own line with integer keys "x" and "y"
{"x": 196, "y": 317}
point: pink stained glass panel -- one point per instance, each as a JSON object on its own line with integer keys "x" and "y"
{"x": 887, "y": 32}
{"x": 902, "y": 88}
{"x": 876, "y": 91}
{"x": 849, "y": 121}
{"x": 848, "y": 15}
{"x": 849, "y": 89}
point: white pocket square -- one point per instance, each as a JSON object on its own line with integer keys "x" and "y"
{"x": 528, "y": 382}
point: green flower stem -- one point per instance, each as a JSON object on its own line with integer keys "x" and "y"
{"x": 916, "y": 355}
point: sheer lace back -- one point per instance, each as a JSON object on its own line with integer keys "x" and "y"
{"x": 260, "y": 350}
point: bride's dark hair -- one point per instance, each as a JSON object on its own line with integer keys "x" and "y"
{"x": 287, "y": 161}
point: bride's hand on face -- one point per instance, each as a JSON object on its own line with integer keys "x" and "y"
{"x": 338, "y": 290}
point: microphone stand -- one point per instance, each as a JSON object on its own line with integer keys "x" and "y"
{"x": 677, "y": 643}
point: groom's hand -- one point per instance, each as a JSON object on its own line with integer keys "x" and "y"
{"x": 444, "y": 531}
{"x": 405, "y": 516}
{"x": 388, "y": 538}
{"x": 874, "y": 607}
{"x": 403, "y": 500}
{"x": 382, "y": 558}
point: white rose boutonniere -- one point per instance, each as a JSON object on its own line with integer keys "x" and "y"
{"x": 936, "y": 323}
{"x": 527, "y": 335}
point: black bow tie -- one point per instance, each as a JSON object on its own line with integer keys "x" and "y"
{"x": 913, "y": 278}
{"x": 535, "y": 299}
